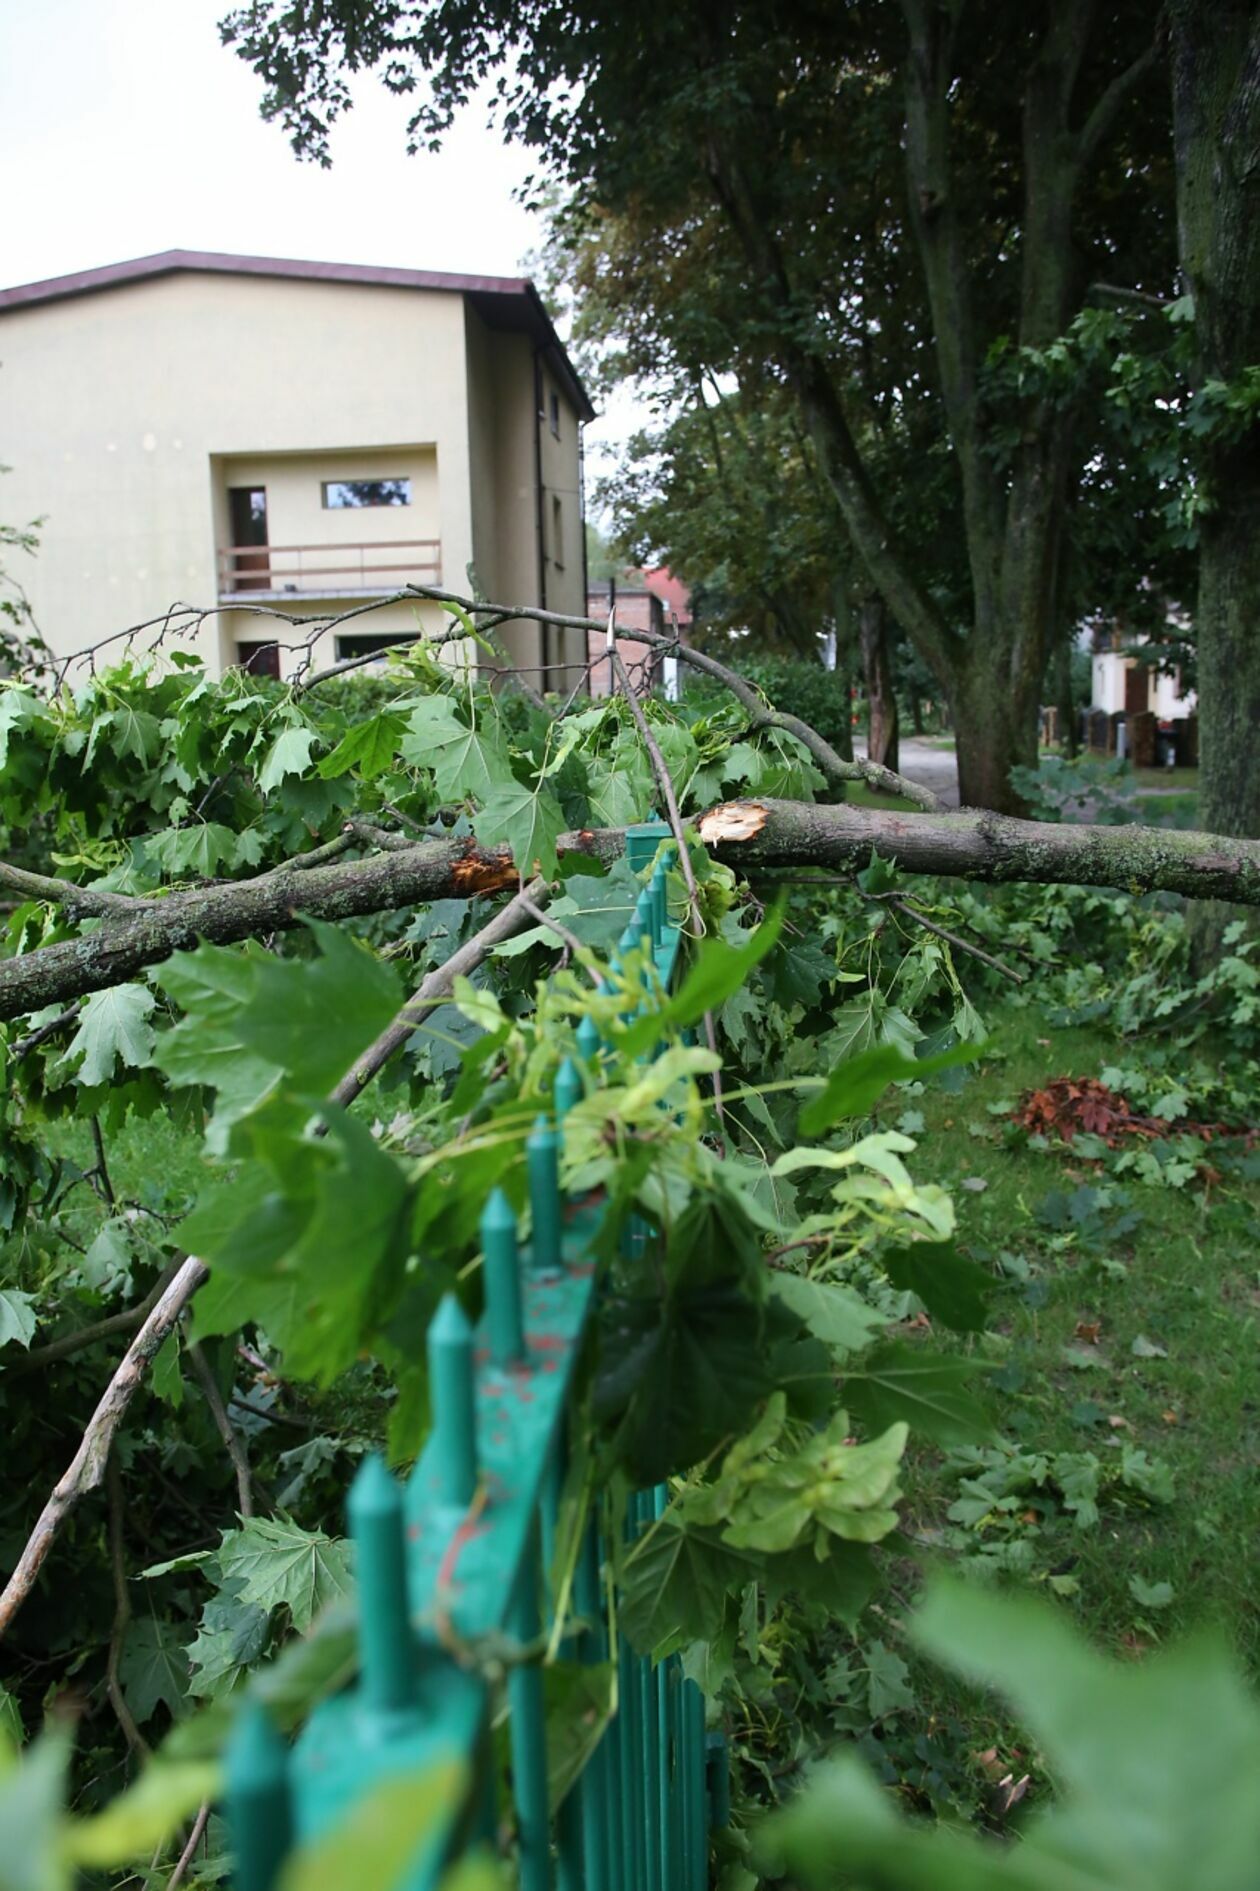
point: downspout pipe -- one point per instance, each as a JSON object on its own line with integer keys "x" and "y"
{"x": 539, "y": 518}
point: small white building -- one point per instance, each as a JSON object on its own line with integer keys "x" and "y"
{"x": 233, "y": 431}
{"x": 1123, "y": 686}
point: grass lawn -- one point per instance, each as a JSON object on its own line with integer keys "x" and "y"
{"x": 1186, "y": 779}
{"x": 863, "y": 797}
{"x": 1127, "y": 1324}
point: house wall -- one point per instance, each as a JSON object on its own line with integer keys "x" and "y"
{"x": 118, "y": 409}
{"x": 564, "y": 547}
{"x": 1165, "y": 697}
{"x": 298, "y": 518}
{"x": 503, "y": 481}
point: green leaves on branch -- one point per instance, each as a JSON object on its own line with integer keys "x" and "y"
{"x": 1156, "y": 1763}
{"x": 113, "y": 1028}
{"x": 856, "y": 1085}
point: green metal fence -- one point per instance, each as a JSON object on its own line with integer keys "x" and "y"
{"x": 460, "y": 1554}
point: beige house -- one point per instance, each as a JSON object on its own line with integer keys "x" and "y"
{"x": 239, "y": 431}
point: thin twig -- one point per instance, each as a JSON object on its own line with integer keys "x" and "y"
{"x": 377, "y": 836}
{"x": 952, "y": 938}
{"x": 665, "y": 782}
{"x": 317, "y": 856}
{"x": 102, "y": 1167}
{"x": 273, "y": 1418}
{"x": 125, "y": 1322}
{"x": 434, "y": 988}
{"x": 195, "y": 1837}
{"x": 223, "y": 1425}
{"x": 570, "y": 939}
{"x": 25, "y": 1045}
{"x": 122, "y": 1613}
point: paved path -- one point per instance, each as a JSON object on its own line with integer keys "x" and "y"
{"x": 933, "y": 768}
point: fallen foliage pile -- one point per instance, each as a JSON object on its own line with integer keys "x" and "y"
{"x": 1068, "y": 1106}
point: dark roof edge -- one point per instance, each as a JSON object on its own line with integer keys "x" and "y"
{"x": 209, "y": 262}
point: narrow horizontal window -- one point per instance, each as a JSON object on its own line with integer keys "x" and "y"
{"x": 342, "y": 493}
{"x": 369, "y": 645}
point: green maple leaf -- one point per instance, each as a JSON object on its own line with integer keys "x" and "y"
{"x": 213, "y": 984}
{"x": 465, "y": 760}
{"x": 833, "y": 1313}
{"x": 113, "y": 1025}
{"x": 153, "y": 1669}
{"x": 312, "y": 1017}
{"x": 527, "y": 820}
{"x": 232, "y": 1635}
{"x": 675, "y": 1589}
{"x": 200, "y": 849}
{"x": 289, "y": 754}
{"x": 17, "y": 1317}
{"x": 930, "y": 1392}
{"x": 274, "y": 1563}
{"x": 370, "y": 747}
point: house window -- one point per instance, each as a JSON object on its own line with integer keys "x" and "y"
{"x": 557, "y": 533}
{"x": 342, "y": 493}
{"x": 260, "y": 659}
{"x": 555, "y": 413}
{"x": 372, "y": 643}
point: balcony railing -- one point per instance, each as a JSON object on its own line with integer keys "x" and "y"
{"x": 277, "y": 571}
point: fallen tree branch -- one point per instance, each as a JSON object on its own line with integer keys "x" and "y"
{"x": 271, "y": 902}
{"x": 761, "y": 715}
{"x": 88, "y": 1466}
{"x": 80, "y": 899}
{"x": 968, "y": 844}
{"x": 973, "y": 844}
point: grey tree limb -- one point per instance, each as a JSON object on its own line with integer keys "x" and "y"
{"x": 437, "y": 986}
{"x": 88, "y": 1466}
{"x": 975, "y": 844}
{"x": 271, "y": 902}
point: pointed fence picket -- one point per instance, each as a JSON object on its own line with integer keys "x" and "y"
{"x": 460, "y": 1554}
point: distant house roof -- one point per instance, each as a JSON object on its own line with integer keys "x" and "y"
{"x": 503, "y": 302}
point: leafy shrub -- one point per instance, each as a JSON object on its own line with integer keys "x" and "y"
{"x": 818, "y": 696}
{"x": 1156, "y": 1763}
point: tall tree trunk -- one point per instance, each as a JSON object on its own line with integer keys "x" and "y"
{"x": 1012, "y": 512}
{"x": 1061, "y": 691}
{"x": 884, "y": 739}
{"x": 1216, "y": 122}
{"x": 1002, "y": 718}
{"x": 847, "y": 655}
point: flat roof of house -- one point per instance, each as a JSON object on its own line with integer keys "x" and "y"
{"x": 509, "y": 302}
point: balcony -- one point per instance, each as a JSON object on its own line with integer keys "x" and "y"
{"x": 279, "y": 572}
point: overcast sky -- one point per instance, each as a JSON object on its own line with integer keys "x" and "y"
{"x": 126, "y": 128}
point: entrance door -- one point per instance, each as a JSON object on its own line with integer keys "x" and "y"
{"x": 1137, "y": 690}
{"x": 248, "y": 569}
